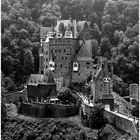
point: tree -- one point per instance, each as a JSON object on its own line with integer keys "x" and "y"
{"x": 96, "y": 118}
{"x": 107, "y": 29}
{"x": 28, "y": 62}
{"x": 3, "y": 107}
{"x": 49, "y": 14}
{"x": 132, "y": 12}
{"x": 35, "y": 12}
{"x": 94, "y": 48}
{"x": 106, "y": 18}
{"x": 119, "y": 86}
{"x": 121, "y": 22}
{"x": 111, "y": 8}
{"x": 114, "y": 52}
{"x": 5, "y": 6}
{"x": 5, "y": 21}
{"x": 105, "y": 47}
{"x": 121, "y": 5}
{"x": 93, "y": 18}
{"x": 96, "y": 32}
{"x": 66, "y": 97}
{"x": 135, "y": 111}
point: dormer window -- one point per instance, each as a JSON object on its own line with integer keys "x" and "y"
{"x": 75, "y": 66}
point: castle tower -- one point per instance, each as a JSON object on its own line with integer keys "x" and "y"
{"x": 107, "y": 86}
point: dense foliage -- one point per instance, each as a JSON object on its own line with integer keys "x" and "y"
{"x": 96, "y": 118}
{"x": 135, "y": 110}
{"x": 66, "y": 97}
{"x": 115, "y": 26}
{"x": 48, "y": 129}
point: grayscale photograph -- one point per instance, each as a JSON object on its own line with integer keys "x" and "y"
{"x": 69, "y": 70}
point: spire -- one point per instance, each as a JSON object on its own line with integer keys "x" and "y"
{"x": 61, "y": 27}
{"x": 68, "y": 28}
{"x": 50, "y": 77}
{"x": 68, "y": 33}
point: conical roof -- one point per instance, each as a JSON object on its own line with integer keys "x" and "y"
{"x": 50, "y": 78}
{"x": 68, "y": 28}
{"x": 61, "y": 27}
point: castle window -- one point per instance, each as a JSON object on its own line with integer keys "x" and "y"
{"x": 66, "y": 57}
{"x": 60, "y": 65}
{"x": 42, "y": 72}
{"x": 54, "y": 57}
{"x": 59, "y": 51}
{"x": 46, "y": 59}
{"x": 64, "y": 50}
{"x": 46, "y": 52}
{"x": 88, "y": 63}
{"x": 62, "y": 57}
{"x": 79, "y": 74}
{"x": 87, "y": 67}
{"x": 46, "y": 66}
{"x": 55, "y": 51}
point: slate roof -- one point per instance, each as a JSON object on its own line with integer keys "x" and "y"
{"x": 83, "y": 52}
{"x": 36, "y": 79}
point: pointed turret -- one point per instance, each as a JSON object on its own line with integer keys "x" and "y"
{"x": 61, "y": 29}
{"x": 68, "y": 33}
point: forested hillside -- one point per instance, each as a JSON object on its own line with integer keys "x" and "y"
{"x": 116, "y": 35}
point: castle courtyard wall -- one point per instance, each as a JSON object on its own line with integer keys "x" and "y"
{"x": 42, "y": 110}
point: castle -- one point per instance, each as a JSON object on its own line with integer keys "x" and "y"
{"x": 66, "y": 49}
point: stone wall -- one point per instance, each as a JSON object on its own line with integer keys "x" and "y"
{"x": 48, "y": 110}
{"x": 14, "y": 97}
{"x": 85, "y": 70}
{"x": 121, "y": 123}
{"x": 42, "y": 90}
